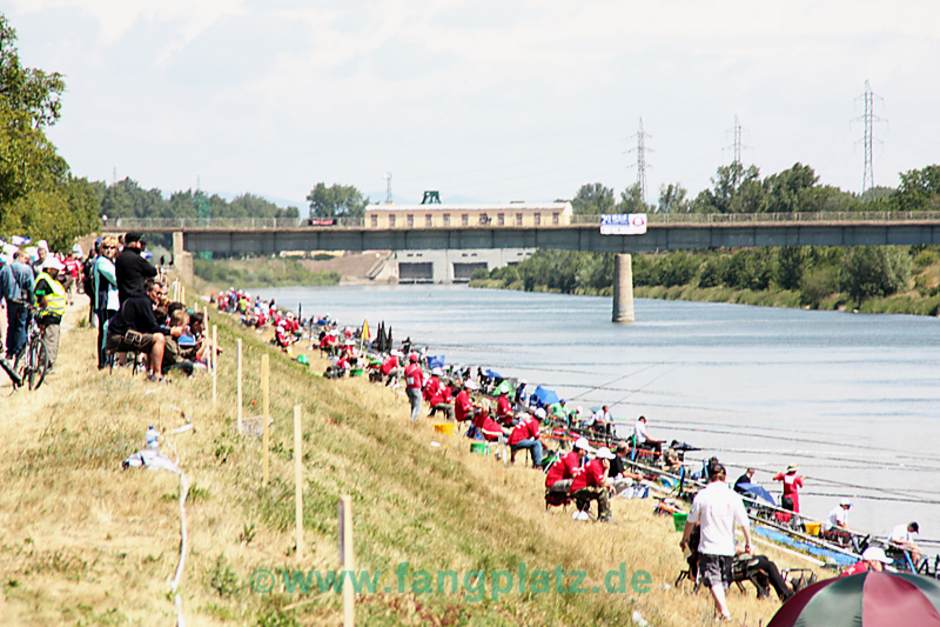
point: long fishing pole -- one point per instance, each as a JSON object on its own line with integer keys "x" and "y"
{"x": 603, "y": 386}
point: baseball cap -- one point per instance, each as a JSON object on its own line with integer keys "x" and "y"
{"x": 470, "y": 384}
{"x": 413, "y": 357}
{"x": 845, "y": 502}
{"x": 582, "y": 444}
{"x": 875, "y": 554}
{"x": 604, "y": 453}
{"x": 540, "y": 413}
{"x": 43, "y": 244}
{"x": 53, "y": 264}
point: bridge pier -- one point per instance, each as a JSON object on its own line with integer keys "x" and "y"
{"x": 623, "y": 289}
{"x": 182, "y": 260}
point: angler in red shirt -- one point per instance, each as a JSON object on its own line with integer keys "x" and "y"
{"x": 504, "y": 409}
{"x": 433, "y": 386}
{"x": 592, "y": 485}
{"x": 526, "y": 436}
{"x": 792, "y": 483}
{"x": 560, "y": 474}
{"x": 440, "y": 399}
{"x": 490, "y": 429}
{"x": 414, "y": 382}
{"x": 391, "y": 369}
{"x": 463, "y": 406}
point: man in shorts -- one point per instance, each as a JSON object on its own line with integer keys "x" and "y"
{"x": 716, "y": 510}
{"x": 135, "y": 328}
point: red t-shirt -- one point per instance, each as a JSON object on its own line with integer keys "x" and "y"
{"x": 592, "y": 476}
{"x": 503, "y": 408}
{"x": 490, "y": 428}
{"x": 414, "y": 377}
{"x": 565, "y": 468}
{"x": 524, "y": 431}
{"x": 390, "y": 364}
{"x": 791, "y": 487}
{"x": 462, "y": 406}
{"x": 432, "y": 388}
{"x": 855, "y": 569}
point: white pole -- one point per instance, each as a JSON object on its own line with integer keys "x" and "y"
{"x": 298, "y": 486}
{"x": 347, "y": 559}
{"x": 238, "y": 384}
{"x": 215, "y": 364}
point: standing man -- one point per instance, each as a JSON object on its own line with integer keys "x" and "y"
{"x": 792, "y": 482}
{"x": 131, "y": 270}
{"x": 104, "y": 291}
{"x": 17, "y": 307}
{"x": 51, "y": 298}
{"x": 715, "y": 511}
{"x": 414, "y": 382}
{"x": 42, "y": 253}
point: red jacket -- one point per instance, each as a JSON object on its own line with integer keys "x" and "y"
{"x": 463, "y": 406}
{"x": 565, "y": 468}
{"x": 524, "y": 431}
{"x": 414, "y": 377}
{"x": 592, "y": 476}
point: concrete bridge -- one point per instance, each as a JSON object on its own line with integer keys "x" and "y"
{"x": 666, "y": 232}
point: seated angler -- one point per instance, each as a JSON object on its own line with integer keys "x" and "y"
{"x": 560, "y": 475}
{"x": 593, "y": 484}
{"x": 526, "y": 436}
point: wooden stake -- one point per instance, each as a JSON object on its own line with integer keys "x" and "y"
{"x": 347, "y": 559}
{"x": 215, "y": 365}
{"x": 238, "y": 384}
{"x": 298, "y": 486}
{"x": 265, "y": 416}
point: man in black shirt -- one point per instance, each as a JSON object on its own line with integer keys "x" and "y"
{"x": 131, "y": 269}
{"x": 744, "y": 479}
{"x": 135, "y": 328}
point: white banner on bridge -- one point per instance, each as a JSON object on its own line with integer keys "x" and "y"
{"x": 623, "y": 224}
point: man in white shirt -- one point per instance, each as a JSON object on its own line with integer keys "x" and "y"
{"x": 642, "y": 436}
{"x": 902, "y": 537}
{"x": 836, "y": 525}
{"x": 716, "y": 510}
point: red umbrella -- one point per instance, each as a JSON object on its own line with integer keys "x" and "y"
{"x": 871, "y": 599}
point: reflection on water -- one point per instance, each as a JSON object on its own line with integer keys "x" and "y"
{"x": 743, "y": 382}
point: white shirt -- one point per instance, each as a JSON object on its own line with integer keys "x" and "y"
{"x": 639, "y": 430}
{"x": 901, "y": 534}
{"x": 838, "y": 517}
{"x": 716, "y": 509}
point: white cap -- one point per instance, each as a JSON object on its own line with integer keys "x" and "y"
{"x": 523, "y": 382}
{"x": 582, "y": 444}
{"x": 470, "y": 384}
{"x": 604, "y": 453}
{"x": 437, "y": 372}
{"x": 52, "y": 263}
{"x": 876, "y": 554}
{"x": 845, "y": 502}
{"x": 540, "y": 412}
{"x": 43, "y": 244}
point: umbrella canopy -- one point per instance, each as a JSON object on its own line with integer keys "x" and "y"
{"x": 871, "y": 599}
{"x": 545, "y": 396}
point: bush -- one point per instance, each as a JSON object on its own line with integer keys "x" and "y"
{"x": 871, "y": 271}
{"x": 817, "y": 284}
{"x": 925, "y": 258}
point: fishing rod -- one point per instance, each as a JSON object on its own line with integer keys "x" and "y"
{"x": 646, "y": 385}
{"x": 900, "y": 466}
{"x": 603, "y": 386}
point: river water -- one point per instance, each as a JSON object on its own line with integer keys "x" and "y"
{"x": 853, "y": 400}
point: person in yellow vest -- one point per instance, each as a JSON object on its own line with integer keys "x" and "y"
{"x": 51, "y": 298}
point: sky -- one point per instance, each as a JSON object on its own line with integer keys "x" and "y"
{"x": 484, "y": 100}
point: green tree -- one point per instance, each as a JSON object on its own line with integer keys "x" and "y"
{"x": 788, "y": 271}
{"x": 726, "y": 185}
{"x": 631, "y": 200}
{"x": 785, "y": 190}
{"x": 593, "y": 199}
{"x": 34, "y": 92}
{"x": 872, "y": 271}
{"x": 919, "y": 190}
{"x": 336, "y": 201}
{"x": 672, "y": 199}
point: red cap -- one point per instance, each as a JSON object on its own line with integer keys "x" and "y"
{"x": 413, "y": 357}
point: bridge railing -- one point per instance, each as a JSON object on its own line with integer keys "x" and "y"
{"x": 753, "y": 218}
{"x": 171, "y": 224}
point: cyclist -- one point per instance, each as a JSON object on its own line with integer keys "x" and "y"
{"x": 17, "y": 303}
{"x": 51, "y": 298}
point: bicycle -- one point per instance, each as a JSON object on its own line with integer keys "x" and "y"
{"x": 32, "y": 362}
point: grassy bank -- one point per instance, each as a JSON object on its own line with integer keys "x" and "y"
{"x": 261, "y": 272}
{"x": 88, "y": 543}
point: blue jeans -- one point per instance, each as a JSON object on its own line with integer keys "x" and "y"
{"x": 16, "y": 329}
{"x": 535, "y": 446}
{"x": 414, "y": 396}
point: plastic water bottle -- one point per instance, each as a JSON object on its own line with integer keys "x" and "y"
{"x": 152, "y": 437}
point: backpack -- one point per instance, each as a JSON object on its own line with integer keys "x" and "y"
{"x": 88, "y": 278}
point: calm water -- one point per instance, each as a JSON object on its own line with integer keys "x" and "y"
{"x": 853, "y": 399}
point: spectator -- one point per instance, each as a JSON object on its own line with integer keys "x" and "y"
{"x": 744, "y": 479}
{"x": 592, "y": 484}
{"x": 51, "y": 298}
{"x": 621, "y": 478}
{"x": 42, "y": 253}
{"x": 414, "y": 382}
{"x": 17, "y": 306}
{"x": 715, "y": 511}
{"x": 134, "y": 328}
{"x": 104, "y": 291}
{"x": 131, "y": 270}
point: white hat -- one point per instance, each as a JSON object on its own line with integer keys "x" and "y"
{"x": 523, "y": 382}
{"x": 604, "y": 453}
{"x": 845, "y": 502}
{"x": 540, "y": 412}
{"x": 437, "y": 372}
{"x": 43, "y": 244}
{"x": 582, "y": 444}
{"x": 52, "y": 263}
{"x": 876, "y": 554}
{"x": 470, "y": 384}
{"x": 77, "y": 249}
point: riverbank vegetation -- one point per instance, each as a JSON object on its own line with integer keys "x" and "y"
{"x": 874, "y": 279}
{"x": 261, "y": 272}
{"x": 90, "y": 543}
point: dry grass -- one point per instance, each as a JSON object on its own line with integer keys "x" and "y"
{"x": 88, "y": 543}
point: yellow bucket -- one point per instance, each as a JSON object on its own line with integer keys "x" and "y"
{"x": 447, "y": 428}
{"x": 813, "y": 528}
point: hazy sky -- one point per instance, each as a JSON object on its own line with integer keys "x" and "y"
{"x": 489, "y": 100}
